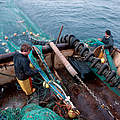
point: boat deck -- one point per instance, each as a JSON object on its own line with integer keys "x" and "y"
{"x": 85, "y": 103}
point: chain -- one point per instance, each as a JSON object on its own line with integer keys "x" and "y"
{"x": 95, "y": 97}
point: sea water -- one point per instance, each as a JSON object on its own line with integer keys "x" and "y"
{"x": 82, "y": 18}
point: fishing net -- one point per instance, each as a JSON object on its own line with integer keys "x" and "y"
{"x": 93, "y": 42}
{"x": 29, "y": 112}
{"x": 40, "y": 114}
{"x": 10, "y": 114}
{"x": 16, "y": 28}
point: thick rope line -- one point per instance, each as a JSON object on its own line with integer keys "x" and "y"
{"x": 46, "y": 78}
{"x": 44, "y": 63}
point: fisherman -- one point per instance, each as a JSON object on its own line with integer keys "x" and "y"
{"x": 107, "y": 40}
{"x": 23, "y": 70}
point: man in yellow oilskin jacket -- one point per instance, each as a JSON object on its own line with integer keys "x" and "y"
{"x": 22, "y": 69}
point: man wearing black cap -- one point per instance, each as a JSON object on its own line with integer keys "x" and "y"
{"x": 23, "y": 70}
{"x": 108, "y": 40}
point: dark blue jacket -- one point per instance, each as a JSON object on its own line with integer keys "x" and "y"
{"x": 108, "y": 42}
{"x": 22, "y": 67}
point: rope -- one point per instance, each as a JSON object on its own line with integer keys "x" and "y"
{"x": 56, "y": 88}
{"x": 44, "y": 76}
{"x": 41, "y": 57}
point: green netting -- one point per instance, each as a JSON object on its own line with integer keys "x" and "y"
{"x": 29, "y": 112}
{"x": 110, "y": 60}
{"x": 13, "y": 20}
{"x": 11, "y": 114}
{"x": 40, "y": 114}
{"x": 39, "y": 50}
{"x": 93, "y": 42}
{"x": 54, "y": 86}
{"x": 29, "y": 108}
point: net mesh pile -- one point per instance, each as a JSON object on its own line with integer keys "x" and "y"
{"x": 17, "y": 27}
{"x": 29, "y": 112}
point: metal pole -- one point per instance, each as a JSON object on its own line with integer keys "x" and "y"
{"x": 59, "y": 34}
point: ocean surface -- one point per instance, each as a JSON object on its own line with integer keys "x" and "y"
{"x": 82, "y": 18}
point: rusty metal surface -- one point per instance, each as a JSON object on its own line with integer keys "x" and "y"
{"x": 85, "y": 103}
{"x": 11, "y": 97}
{"x": 7, "y": 74}
{"x": 88, "y": 107}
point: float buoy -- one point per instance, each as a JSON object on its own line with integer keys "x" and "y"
{"x": 72, "y": 114}
{"x": 15, "y": 34}
{"x": 3, "y": 44}
{"x": 102, "y": 60}
{"x": 6, "y": 37}
{"x": 102, "y": 106}
{"x": 31, "y": 66}
{"x": 46, "y": 85}
{"x": 7, "y": 50}
{"x": 37, "y": 34}
{"x": 23, "y": 33}
{"x": 31, "y": 33}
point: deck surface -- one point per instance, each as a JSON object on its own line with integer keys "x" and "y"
{"x": 85, "y": 103}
